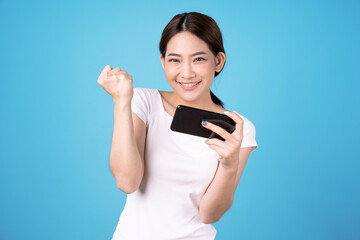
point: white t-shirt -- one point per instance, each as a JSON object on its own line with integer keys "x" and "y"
{"x": 178, "y": 169}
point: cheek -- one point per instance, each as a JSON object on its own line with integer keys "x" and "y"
{"x": 206, "y": 70}
{"x": 170, "y": 72}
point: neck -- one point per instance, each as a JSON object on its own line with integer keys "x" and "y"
{"x": 205, "y": 102}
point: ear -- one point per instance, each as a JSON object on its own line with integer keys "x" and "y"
{"x": 220, "y": 61}
{"x": 162, "y": 61}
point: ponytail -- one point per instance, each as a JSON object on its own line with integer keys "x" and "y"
{"x": 216, "y": 100}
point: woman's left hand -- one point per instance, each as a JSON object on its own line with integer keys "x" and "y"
{"x": 228, "y": 150}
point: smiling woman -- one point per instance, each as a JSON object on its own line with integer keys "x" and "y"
{"x": 177, "y": 185}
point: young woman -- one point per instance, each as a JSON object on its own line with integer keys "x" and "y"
{"x": 177, "y": 184}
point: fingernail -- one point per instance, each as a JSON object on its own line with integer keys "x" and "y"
{"x": 226, "y": 112}
{"x": 203, "y": 123}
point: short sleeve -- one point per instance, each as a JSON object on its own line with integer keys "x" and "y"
{"x": 140, "y": 104}
{"x": 249, "y": 133}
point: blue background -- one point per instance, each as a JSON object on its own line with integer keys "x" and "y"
{"x": 292, "y": 69}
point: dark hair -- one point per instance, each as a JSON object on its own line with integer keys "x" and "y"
{"x": 204, "y": 27}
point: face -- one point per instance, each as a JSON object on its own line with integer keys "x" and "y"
{"x": 190, "y": 66}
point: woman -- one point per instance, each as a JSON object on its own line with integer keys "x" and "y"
{"x": 177, "y": 185}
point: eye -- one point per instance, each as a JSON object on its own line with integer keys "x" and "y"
{"x": 200, "y": 58}
{"x": 173, "y": 60}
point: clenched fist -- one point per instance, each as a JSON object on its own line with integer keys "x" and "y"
{"x": 119, "y": 84}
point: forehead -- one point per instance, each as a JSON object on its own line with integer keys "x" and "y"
{"x": 186, "y": 43}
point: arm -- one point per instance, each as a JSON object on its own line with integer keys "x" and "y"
{"x": 127, "y": 148}
{"x": 218, "y": 197}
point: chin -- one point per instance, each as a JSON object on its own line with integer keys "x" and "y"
{"x": 189, "y": 96}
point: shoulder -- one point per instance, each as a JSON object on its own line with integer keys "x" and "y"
{"x": 144, "y": 90}
{"x": 147, "y": 93}
{"x": 147, "y": 99}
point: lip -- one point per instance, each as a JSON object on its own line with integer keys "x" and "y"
{"x": 187, "y": 82}
{"x": 188, "y": 88}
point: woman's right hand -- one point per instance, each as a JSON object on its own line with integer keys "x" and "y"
{"x": 118, "y": 83}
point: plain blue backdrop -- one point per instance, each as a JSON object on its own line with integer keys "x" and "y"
{"x": 292, "y": 69}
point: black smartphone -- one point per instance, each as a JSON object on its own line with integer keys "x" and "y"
{"x": 188, "y": 120}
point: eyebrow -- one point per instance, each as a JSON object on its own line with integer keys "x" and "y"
{"x": 175, "y": 54}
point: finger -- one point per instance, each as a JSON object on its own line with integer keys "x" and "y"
{"x": 104, "y": 72}
{"x": 113, "y": 72}
{"x": 219, "y": 130}
{"x": 238, "y": 121}
{"x": 217, "y": 142}
{"x": 117, "y": 69}
{"x": 218, "y": 149}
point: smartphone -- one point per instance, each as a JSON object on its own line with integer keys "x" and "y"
{"x": 188, "y": 120}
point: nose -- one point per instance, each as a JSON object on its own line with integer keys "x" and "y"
{"x": 187, "y": 71}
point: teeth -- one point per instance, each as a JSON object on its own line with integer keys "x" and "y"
{"x": 188, "y": 85}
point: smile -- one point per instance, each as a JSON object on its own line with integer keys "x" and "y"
{"x": 188, "y": 86}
